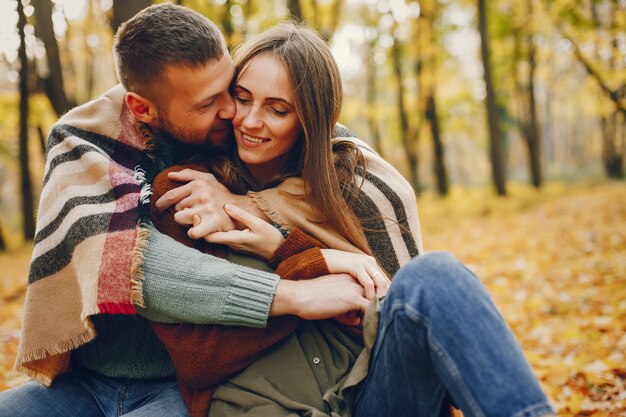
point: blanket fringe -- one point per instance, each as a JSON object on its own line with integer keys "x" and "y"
{"x": 269, "y": 211}
{"x": 136, "y": 270}
{"x": 24, "y": 362}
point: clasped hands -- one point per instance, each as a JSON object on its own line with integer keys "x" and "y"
{"x": 218, "y": 216}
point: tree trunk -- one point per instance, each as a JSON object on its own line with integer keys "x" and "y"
{"x": 405, "y": 133}
{"x": 227, "y": 23}
{"x": 295, "y": 10}
{"x": 439, "y": 162}
{"x": 3, "y": 245}
{"x": 53, "y": 83}
{"x": 42, "y": 141}
{"x": 335, "y": 20}
{"x": 533, "y": 138}
{"x": 26, "y": 183}
{"x": 426, "y": 81}
{"x": 372, "y": 119}
{"x": 613, "y": 155}
{"x": 493, "y": 118}
{"x": 125, "y": 9}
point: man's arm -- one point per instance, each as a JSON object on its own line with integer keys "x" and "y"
{"x": 183, "y": 285}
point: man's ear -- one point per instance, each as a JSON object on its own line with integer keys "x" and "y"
{"x": 143, "y": 109}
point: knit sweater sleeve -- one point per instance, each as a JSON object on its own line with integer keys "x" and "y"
{"x": 181, "y": 284}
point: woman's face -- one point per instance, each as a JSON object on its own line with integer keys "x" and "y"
{"x": 266, "y": 123}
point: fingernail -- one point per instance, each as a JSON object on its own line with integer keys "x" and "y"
{"x": 228, "y": 207}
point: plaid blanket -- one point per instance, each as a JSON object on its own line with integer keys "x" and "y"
{"x": 88, "y": 235}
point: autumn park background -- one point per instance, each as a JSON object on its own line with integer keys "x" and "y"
{"x": 508, "y": 117}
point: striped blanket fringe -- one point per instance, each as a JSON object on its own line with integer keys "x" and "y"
{"x": 89, "y": 239}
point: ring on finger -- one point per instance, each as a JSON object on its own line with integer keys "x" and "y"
{"x": 376, "y": 274}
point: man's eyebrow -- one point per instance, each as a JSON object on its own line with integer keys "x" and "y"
{"x": 280, "y": 99}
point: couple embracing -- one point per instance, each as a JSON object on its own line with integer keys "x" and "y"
{"x": 210, "y": 242}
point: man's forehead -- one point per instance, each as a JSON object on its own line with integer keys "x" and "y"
{"x": 213, "y": 77}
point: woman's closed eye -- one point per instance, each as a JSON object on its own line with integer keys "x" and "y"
{"x": 279, "y": 112}
{"x": 242, "y": 100}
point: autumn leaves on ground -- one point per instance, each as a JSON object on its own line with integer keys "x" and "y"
{"x": 554, "y": 262}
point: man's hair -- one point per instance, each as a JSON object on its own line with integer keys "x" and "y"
{"x": 161, "y": 35}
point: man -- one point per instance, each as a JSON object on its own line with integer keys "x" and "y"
{"x": 92, "y": 238}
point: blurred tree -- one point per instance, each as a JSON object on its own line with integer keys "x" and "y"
{"x": 495, "y": 134}
{"x": 28, "y": 226}
{"x": 3, "y": 246}
{"x": 295, "y": 10}
{"x": 227, "y": 25}
{"x": 425, "y": 69}
{"x": 125, "y": 9}
{"x": 603, "y": 31}
{"x": 531, "y": 127}
{"x": 408, "y": 135}
{"x": 370, "y": 20}
{"x": 523, "y": 100}
{"x": 53, "y": 82}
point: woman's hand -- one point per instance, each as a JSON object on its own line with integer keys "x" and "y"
{"x": 362, "y": 267}
{"x": 258, "y": 238}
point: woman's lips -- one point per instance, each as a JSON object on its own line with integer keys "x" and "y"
{"x": 253, "y": 139}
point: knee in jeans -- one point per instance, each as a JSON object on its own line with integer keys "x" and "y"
{"x": 434, "y": 272}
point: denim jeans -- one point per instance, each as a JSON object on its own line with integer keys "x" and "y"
{"x": 87, "y": 394}
{"x": 439, "y": 333}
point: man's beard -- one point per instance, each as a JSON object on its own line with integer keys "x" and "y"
{"x": 191, "y": 140}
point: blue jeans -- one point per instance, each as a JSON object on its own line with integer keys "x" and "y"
{"x": 87, "y": 394}
{"x": 440, "y": 333}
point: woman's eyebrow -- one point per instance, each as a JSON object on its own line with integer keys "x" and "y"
{"x": 279, "y": 99}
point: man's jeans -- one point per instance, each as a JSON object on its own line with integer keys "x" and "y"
{"x": 440, "y": 332}
{"x": 87, "y": 394}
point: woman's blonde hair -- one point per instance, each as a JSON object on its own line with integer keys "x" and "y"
{"x": 329, "y": 178}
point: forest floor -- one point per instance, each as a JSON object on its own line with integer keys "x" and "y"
{"x": 554, "y": 261}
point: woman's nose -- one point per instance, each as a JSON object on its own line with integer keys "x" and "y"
{"x": 252, "y": 119}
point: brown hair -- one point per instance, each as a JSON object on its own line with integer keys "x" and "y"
{"x": 329, "y": 179}
{"x": 160, "y": 35}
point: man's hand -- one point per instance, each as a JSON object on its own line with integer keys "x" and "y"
{"x": 320, "y": 298}
{"x": 200, "y": 203}
{"x": 259, "y": 238}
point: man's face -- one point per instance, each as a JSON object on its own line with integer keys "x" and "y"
{"x": 196, "y": 107}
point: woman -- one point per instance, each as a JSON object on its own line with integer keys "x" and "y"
{"x": 288, "y": 96}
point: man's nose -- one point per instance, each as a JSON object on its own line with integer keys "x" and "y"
{"x": 227, "y": 109}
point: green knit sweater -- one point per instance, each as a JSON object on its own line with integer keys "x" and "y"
{"x": 180, "y": 285}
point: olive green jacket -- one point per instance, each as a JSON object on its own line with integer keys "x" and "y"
{"x": 315, "y": 372}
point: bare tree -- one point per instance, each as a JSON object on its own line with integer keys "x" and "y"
{"x": 371, "y": 85}
{"x": 53, "y": 83}
{"x": 125, "y": 9}
{"x": 26, "y": 182}
{"x": 408, "y": 138}
{"x": 295, "y": 10}
{"x": 493, "y": 118}
{"x": 425, "y": 70}
{"x": 3, "y": 245}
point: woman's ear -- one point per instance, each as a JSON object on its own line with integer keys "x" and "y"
{"x": 143, "y": 109}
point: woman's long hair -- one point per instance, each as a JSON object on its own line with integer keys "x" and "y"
{"x": 329, "y": 178}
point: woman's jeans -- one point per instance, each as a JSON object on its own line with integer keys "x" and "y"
{"x": 440, "y": 333}
{"x": 87, "y": 394}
